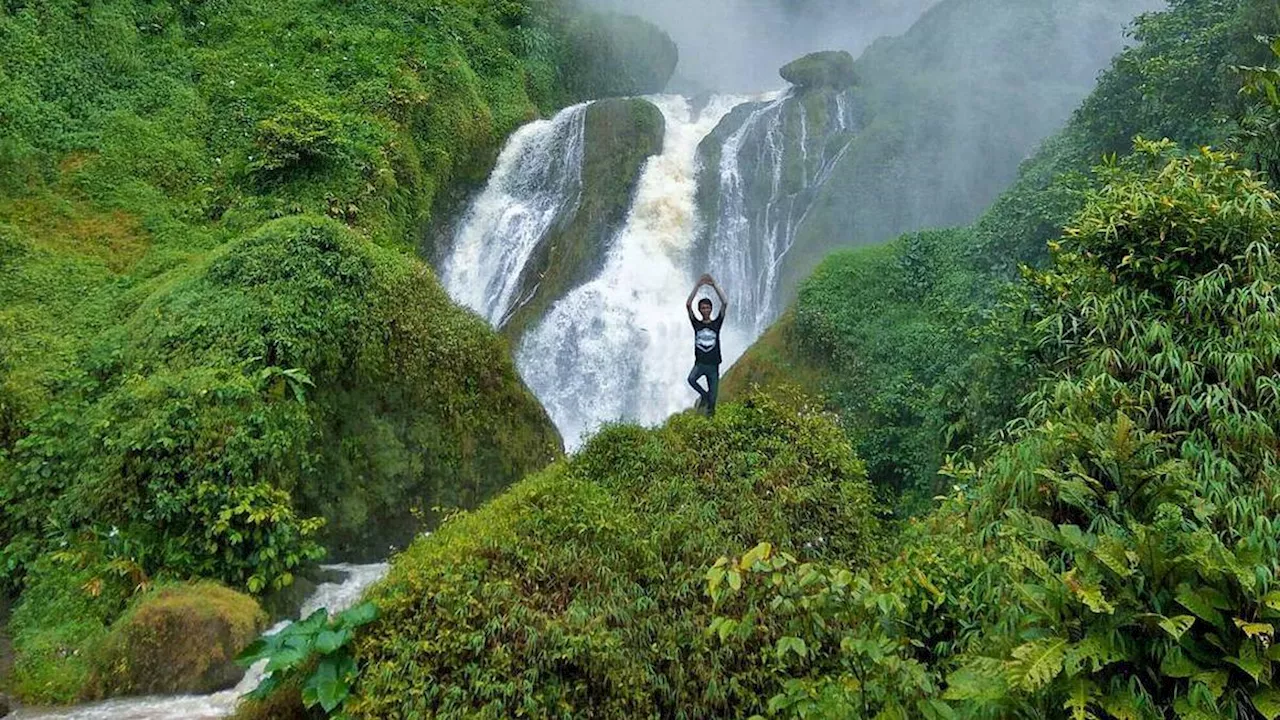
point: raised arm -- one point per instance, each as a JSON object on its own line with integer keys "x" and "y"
{"x": 688, "y": 304}
{"x": 724, "y": 301}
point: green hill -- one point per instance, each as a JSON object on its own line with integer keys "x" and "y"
{"x": 220, "y": 352}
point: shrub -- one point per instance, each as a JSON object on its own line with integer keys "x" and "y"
{"x": 1126, "y": 525}
{"x": 576, "y": 593}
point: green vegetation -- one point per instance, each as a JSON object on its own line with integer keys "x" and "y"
{"x": 949, "y": 110}
{"x": 579, "y": 590}
{"x": 316, "y": 653}
{"x": 821, "y": 69}
{"x": 920, "y": 345}
{"x": 88, "y": 627}
{"x": 1115, "y": 556}
{"x": 220, "y": 357}
{"x": 176, "y": 639}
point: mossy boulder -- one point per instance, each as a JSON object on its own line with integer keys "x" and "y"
{"x": 581, "y": 590}
{"x": 301, "y": 367}
{"x": 615, "y": 55}
{"x": 621, "y": 134}
{"x": 829, "y": 68}
{"x": 179, "y": 639}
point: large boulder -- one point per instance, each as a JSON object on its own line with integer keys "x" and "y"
{"x": 176, "y": 640}
{"x": 830, "y": 68}
{"x": 615, "y": 55}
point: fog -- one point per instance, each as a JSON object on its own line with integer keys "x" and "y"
{"x": 738, "y": 45}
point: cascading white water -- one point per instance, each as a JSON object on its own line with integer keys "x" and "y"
{"x": 619, "y": 347}
{"x": 333, "y": 596}
{"x": 753, "y": 230}
{"x": 535, "y": 186}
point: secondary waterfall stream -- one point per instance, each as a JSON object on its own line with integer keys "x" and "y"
{"x": 336, "y": 596}
{"x": 618, "y": 347}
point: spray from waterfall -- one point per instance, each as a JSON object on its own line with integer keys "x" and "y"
{"x": 535, "y": 187}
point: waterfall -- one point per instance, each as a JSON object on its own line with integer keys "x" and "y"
{"x": 335, "y": 597}
{"x": 535, "y": 186}
{"x": 770, "y": 168}
{"x": 619, "y": 347}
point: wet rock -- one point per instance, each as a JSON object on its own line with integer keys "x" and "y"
{"x": 620, "y": 135}
{"x": 831, "y": 68}
{"x": 176, "y": 640}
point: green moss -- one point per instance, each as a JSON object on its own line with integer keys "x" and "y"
{"x": 832, "y": 68}
{"x": 176, "y": 639}
{"x": 611, "y": 55}
{"x": 620, "y": 136}
{"x": 580, "y": 589}
{"x": 60, "y": 619}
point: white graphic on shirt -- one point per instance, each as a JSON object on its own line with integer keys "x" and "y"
{"x": 706, "y": 340}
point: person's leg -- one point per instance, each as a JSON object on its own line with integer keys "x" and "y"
{"x": 694, "y": 374}
{"x": 713, "y": 388}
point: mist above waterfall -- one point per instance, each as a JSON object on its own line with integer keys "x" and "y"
{"x": 738, "y": 45}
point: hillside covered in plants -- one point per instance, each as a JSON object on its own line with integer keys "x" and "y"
{"x": 1027, "y": 468}
{"x": 220, "y": 356}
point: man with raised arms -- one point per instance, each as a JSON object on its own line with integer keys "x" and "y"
{"x": 706, "y": 343}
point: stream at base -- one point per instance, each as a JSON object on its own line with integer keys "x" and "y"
{"x": 336, "y": 597}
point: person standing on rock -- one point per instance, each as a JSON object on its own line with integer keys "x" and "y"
{"x": 706, "y": 343}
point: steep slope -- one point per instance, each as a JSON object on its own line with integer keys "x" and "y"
{"x": 219, "y": 352}
{"x": 908, "y": 341}
{"x": 953, "y": 106}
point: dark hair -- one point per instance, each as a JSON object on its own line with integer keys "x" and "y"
{"x": 704, "y": 301}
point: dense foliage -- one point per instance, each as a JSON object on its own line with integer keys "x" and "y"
{"x": 578, "y": 592}
{"x": 918, "y": 344}
{"x": 1117, "y": 556}
{"x": 218, "y": 354}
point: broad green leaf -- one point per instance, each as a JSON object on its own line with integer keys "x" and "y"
{"x": 1176, "y": 664}
{"x": 1079, "y": 695}
{"x": 982, "y": 679}
{"x": 326, "y": 686}
{"x": 362, "y": 614}
{"x": 1203, "y": 602}
{"x": 1267, "y": 703}
{"x": 1037, "y": 663}
{"x": 1253, "y": 629}
{"x": 1177, "y": 626}
{"x": 1249, "y": 661}
{"x": 328, "y": 641}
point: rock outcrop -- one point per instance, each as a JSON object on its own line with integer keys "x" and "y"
{"x": 621, "y": 134}
{"x": 829, "y": 69}
{"x": 177, "y": 640}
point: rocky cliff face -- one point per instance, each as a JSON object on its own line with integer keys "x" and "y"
{"x": 760, "y": 171}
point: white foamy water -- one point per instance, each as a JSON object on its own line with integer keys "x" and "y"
{"x": 535, "y": 186}
{"x": 620, "y": 346}
{"x": 754, "y": 228}
{"x": 334, "y": 596}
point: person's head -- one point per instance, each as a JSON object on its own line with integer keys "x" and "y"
{"x": 704, "y": 308}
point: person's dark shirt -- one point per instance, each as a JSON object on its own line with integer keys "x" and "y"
{"x": 706, "y": 339}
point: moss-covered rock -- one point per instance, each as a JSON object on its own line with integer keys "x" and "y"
{"x": 621, "y": 134}
{"x": 580, "y": 591}
{"x": 612, "y": 55}
{"x": 178, "y": 639}
{"x": 830, "y": 68}
{"x": 302, "y": 360}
